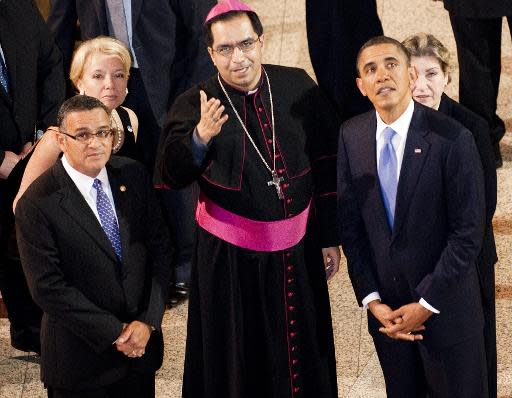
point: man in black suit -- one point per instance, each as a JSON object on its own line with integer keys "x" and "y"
{"x": 96, "y": 255}
{"x": 477, "y": 26}
{"x": 31, "y": 91}
{"x": 411, "y": 215}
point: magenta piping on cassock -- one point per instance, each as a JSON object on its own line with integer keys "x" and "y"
{"x": 265, "y": 236}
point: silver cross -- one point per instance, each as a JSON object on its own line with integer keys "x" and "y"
{"x": 276, "y": 182}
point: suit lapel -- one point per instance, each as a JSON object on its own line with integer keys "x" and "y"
{"x": 74, "y": 204}
{"x": 415, "y": 153}
{"x": 367, "y": 145}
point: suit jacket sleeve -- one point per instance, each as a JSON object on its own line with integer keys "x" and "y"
{"x": 50, "y": 77}
{"x": 48, "y": 286}
{"x": 352, "y": 231}
{"x": 465, "y": 210}
{"x": 159, "y": 251}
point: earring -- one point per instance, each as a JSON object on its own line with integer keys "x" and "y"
{"x": 82, "y": 91}
{"x": 127, "y": 90}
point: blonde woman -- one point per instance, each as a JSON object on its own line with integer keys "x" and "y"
{"x": 100, "y": 68}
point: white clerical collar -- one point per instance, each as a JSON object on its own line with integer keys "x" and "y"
{"x": 400, "y": 125}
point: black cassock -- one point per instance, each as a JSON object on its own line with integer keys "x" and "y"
{"x": 259, "y": 323}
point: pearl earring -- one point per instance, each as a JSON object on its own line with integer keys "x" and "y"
{"x": 82, "y": 92}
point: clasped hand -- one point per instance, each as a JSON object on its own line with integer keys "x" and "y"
{"x": 404, "y": 323}
{"x": 133, "y": 339}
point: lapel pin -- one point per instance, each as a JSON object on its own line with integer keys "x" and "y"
{"x": 129, "y": 128}
{"x": 417, "y": 150}
{"x": 122, "y": 188}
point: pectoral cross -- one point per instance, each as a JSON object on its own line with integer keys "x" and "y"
{"x": 276, "y": 182}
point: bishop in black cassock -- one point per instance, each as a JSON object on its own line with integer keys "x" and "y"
{"x": 259, "y": 320}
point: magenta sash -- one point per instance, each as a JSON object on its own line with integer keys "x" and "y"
{"x": 265, "y": 236}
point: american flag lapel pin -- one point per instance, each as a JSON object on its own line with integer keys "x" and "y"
{"x": 417, "y": 150}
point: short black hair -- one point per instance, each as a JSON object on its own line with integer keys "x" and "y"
{"x": 374, "y": 41}
{"x": 79, "y": 103}
{"x": 253, "y": 17}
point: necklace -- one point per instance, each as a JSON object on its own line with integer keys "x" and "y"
{"x": 276, "y": 180}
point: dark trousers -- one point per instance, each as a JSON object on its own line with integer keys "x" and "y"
{"x": 417, "y": 371}
{"x": 149, "y": 130}
{"x": 479, "y": 55}
{"x": 134, "y": 385}
{"x": 24, "y": 315}
{"x": 486, "y": 276}
{"x": 336, "y": 30}
{"x": 179, "y": 207}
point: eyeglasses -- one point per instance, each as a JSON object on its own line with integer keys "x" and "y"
{"x": 244, "y": 46}
{"x": 86, "y": 136}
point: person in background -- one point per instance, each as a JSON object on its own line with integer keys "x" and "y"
{"x": 431, "y": 59}
{"x": 261, "y": 142}
{"x": 336, "y": 30}
{"x": 477, "y": 28}
{"x": 100, "y": 68}
{"x": 96, "y": 252}
{"x": 411, "y": 217}
{"x": 32, "y": 87}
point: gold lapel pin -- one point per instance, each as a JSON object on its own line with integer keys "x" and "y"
{"x": 122, "y": 188}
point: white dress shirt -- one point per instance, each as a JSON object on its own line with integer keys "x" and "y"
{"x": 401, "y": 127}
{"x": 84, "y": 185}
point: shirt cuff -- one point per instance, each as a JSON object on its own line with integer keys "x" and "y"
{"x": 429, "y": 307}
{"x": 368, "y": 299}
{"x": 198, "y": 148}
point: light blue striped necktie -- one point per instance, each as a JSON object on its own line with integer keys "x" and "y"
{"x": 388, "y": 174}
{"x": 108, "y": 218}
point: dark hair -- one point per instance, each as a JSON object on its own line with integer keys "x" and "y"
{"x": 374, "y": 41}
{"x": 79, "y": 103}
{"x": 253, "y": 17}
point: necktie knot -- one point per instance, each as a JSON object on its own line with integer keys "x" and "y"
{"x": 96, "y": 184}
{"x": 389, "y": 133}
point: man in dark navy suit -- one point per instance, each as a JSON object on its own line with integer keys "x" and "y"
{"x": 411, "y": 215}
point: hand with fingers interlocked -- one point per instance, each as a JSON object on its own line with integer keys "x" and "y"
{"x": 212, "y": 118}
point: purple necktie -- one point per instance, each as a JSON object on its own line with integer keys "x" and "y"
{"x": 108, "y": 218}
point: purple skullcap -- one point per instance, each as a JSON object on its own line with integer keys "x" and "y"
{"x": 225, "y": 6}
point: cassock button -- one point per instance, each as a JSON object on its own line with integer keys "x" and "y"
{"x": 290, "y": 294}
{"x": 292, "y": 335}
{"x": 265, "y": 125}
{"x": 295, "y": 361}
{"x": 296, "y": 389}
{"x": 290, "y": 215}
{"x": 289, "y": 200}
{"x": 286, "y": 185}
{"x": 295, "y": 376}
{"x": 289, "y": 268}
{"x": 269, "y": 140}
{"x": 291, "y": 308}
{"x": 294, "y": 348}
{"x": 288, "y": 254}
{"x": 290, "y": 281}
{"x": 260, "y": 109}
